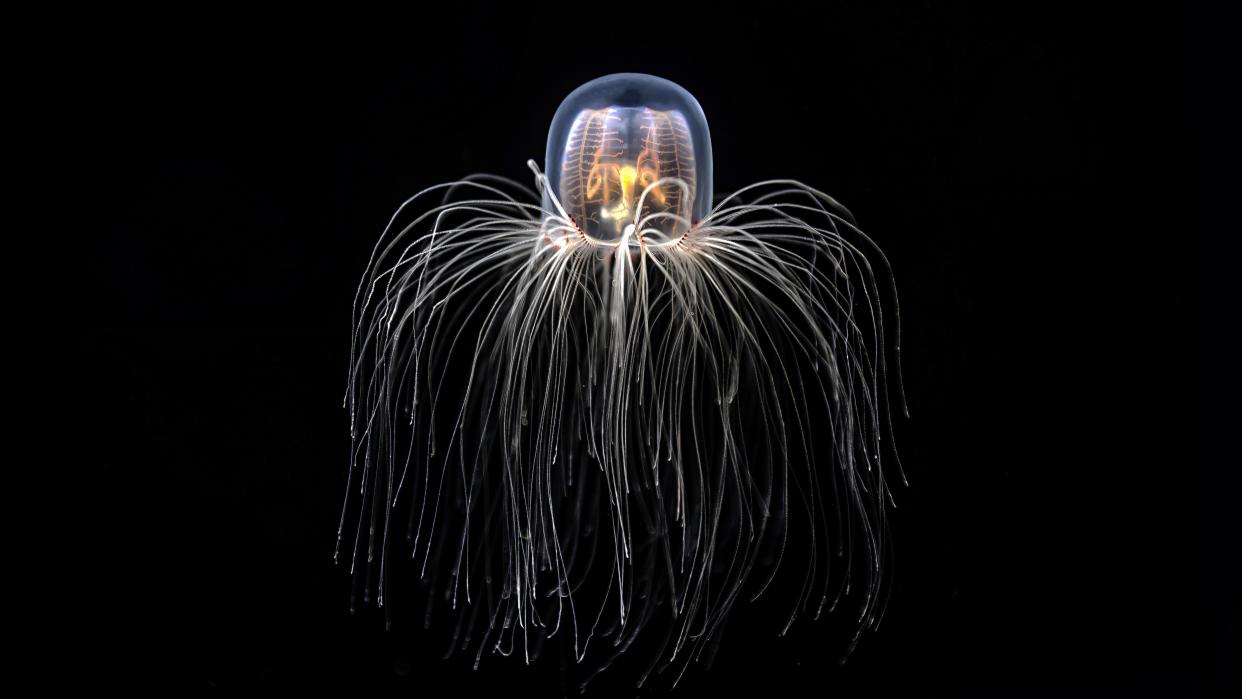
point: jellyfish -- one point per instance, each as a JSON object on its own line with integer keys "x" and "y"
{"x": 608, "y": 408}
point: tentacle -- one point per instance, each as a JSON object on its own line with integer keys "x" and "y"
{"x": 593, "y": 440}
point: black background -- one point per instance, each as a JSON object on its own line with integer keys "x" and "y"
{"x": 1031, "y": 173}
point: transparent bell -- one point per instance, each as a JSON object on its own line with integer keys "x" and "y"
{"x": 630, "y": 158}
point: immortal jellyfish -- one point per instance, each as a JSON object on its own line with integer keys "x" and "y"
{"x": 608, "y": 409}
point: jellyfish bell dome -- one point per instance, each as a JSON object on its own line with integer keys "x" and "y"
{"x": 629, "y": 158}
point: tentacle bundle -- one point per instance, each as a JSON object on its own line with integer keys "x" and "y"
{"x": 607, "y": 440}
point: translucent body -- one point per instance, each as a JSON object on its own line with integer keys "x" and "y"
{"x": 573, "y": 449}
{"x": 630, "y": 150}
